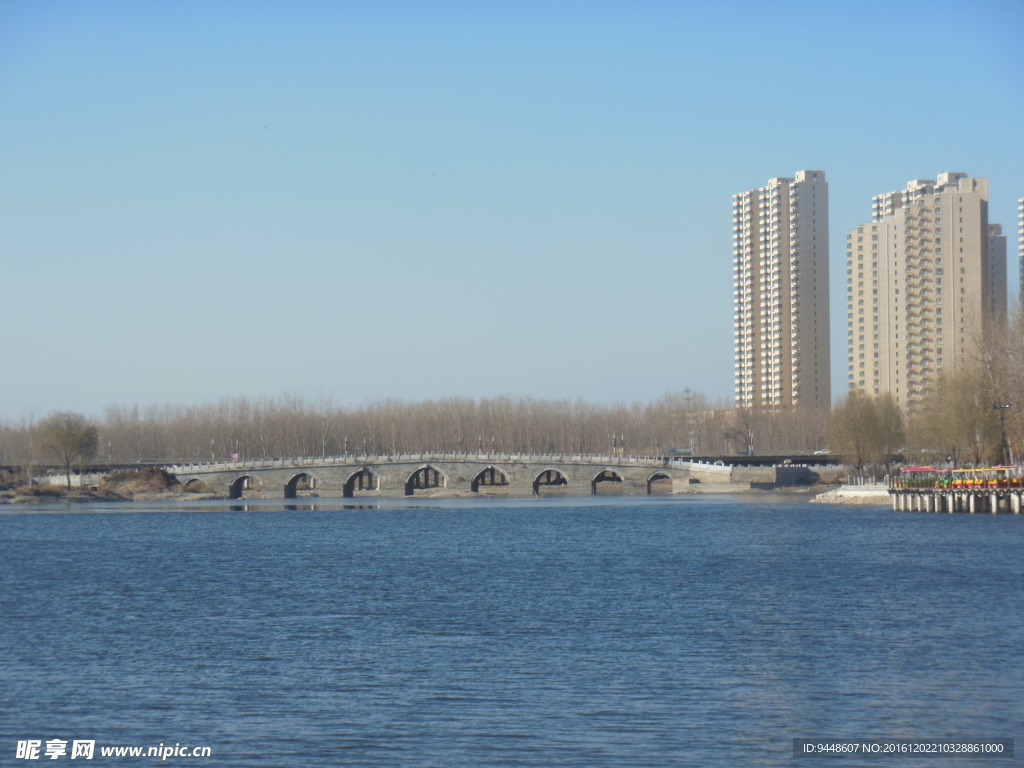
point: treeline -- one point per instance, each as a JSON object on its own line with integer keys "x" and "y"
{"x": 962, "y": 421}
{"x": 293, "y": 426}
{"x": 974, "y": 417}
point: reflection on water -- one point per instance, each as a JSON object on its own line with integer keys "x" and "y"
{"x": 295, "y": 507}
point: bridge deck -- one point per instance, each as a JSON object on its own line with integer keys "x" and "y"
{"x": 354, "y": 459}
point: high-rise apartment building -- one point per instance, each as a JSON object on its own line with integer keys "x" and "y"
{"x": 997, "y": 289}
{"x": 780, "y": 290}
{"x": 1020, "y": 245}
{"x": 925, "y": 280}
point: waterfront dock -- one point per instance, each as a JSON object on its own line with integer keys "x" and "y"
{"x": 988, "y": 489}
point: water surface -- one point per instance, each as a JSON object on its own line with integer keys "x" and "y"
{"x": 509, "y": 633}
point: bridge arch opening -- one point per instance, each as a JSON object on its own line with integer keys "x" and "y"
{"x": 425, "y": 479}
{"x": 303, "y": 481}
{"x": 549, "y": 481}
{"x": 243, "y": 483}
{"x": 658, "y": 484}
{"x": 605, "y": 482}
{"x": 490, "y": 480}
{"x": 363, "y": 480}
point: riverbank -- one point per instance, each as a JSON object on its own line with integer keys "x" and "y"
{"x": 149, "y": 484}
{"x": 21, "y": 496}
{"x": 52, "y": 495}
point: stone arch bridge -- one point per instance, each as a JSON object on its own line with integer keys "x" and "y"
{"x": 455, "y": 474}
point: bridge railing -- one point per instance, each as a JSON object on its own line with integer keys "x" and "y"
{"x": 427, "y": 457}
{"x": 358, "y": 459}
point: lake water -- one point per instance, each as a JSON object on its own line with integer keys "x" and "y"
{"x": 568, "y": 633}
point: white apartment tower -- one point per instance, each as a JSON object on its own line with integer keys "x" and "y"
{"x": 925, "y": 278}
{"x": 780, "y": 293}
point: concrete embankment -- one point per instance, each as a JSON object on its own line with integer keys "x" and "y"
{"x": 856, "y": 495}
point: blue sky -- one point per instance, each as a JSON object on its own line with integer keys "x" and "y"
{"x": 200, "y": 200}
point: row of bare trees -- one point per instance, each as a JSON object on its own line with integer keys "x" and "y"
{"x": 867, "y": 431}
{"x": 963, "y": 420}
{"x": 975, "y": 416}
{"x": 293, "y": 426}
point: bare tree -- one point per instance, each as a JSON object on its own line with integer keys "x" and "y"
{"x": 890, "y": 431}
{"x": 957, "y": 417}
{"x": 852, "y": 429}
{"x": 70, "y": 438}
